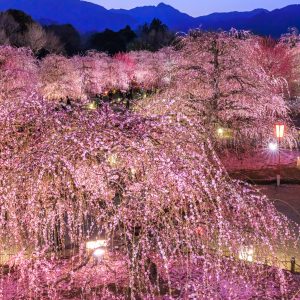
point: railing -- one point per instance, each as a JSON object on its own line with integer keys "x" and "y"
{"x": 288, "y": 265}
{"x": 293, "y": 266}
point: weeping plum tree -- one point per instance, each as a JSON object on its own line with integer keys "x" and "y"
{"x": 275, "y": 58}
{"x": 152, "y": 186}
{"x": 59, "y": 78}
{"x": 174, "y": 221}
{"x": 291, "y": 42}
{"x": 95, "y": 71}
{"x": 217, "y": 78}
{"x": 222, "y": 80}
{"x": 18, "y": 74}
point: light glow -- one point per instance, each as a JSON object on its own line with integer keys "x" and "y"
{"x": 92, "y": 105}
{"x": 98, "y": 253}
{"x": 220, "y": 131}
{"x": 246, "y": 253}
{"x": 92, "y": 245}
{"x": 273, "y": 146}
{"x": 280, "y": 131}
{"x": 113, "y": 160}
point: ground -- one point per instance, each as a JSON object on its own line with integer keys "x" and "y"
{"x": 287, "y": 199}
{"x": 260, "y": 169}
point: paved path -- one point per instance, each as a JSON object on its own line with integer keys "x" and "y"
{"x": 259, "y": 160}
{"x": 287, "y": 201}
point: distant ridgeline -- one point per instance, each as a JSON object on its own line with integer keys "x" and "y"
{"x": 74, "y": 26}
{"x": 89, "y": 17}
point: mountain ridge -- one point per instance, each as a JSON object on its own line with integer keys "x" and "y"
{"x": 89, "y": 17}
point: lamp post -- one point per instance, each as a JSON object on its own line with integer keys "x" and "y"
{"x": 279, "y": 131}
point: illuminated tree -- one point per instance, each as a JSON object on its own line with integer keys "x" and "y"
{"x": 174, "y": 221}
{"x": 148, "y": 182}
{"x": 275, "y": 58}
{"x": 95, "y": 72}
{"x": 291, "y": 38}
{"x": 60, "y": 79}
{"x": 18, "y": 75}
{"x": 151, "y": 70}
{"x": 291, "y": 42}
{"x": 218, "y": 80}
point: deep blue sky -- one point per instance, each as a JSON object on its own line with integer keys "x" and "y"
{"x": 200, "y": 7}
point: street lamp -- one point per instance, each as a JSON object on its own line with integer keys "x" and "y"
{"x": 279, "y": 131}
{"x": 273, "y": 146}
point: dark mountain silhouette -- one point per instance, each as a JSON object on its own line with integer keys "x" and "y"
{"x": 84, "y": 16}
{"x": 87, "y": 17}
{"x": 275, "y": 22}
{"x": 170, "y": 16}
{"x": 228, "y": 20}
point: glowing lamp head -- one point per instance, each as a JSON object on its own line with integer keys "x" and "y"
{"x": 92, "y": 245}
{"x": 279, "y": 128}
{"x": 273, "y": 146}
{"x": 99, "y": 253}
{"x": 220, "y": 130}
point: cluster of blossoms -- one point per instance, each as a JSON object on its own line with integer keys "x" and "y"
{"x": 223, "y": 80}
{"x": 148, "y": 182}
{"x": 84, "y": 77}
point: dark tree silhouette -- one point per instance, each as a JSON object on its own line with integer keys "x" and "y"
{"x": 112, "y": 42}
{"x": 21, "y": 18}
{"x": 68, "y": 35}
{"x": 153, "y": 37}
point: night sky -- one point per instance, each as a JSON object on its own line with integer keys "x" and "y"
{"x": 200, "y": 7}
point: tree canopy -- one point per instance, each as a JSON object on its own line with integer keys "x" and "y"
{"x": 148, "y": 180}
